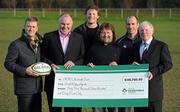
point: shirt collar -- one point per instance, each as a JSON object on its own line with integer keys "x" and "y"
{"x": 148, "y": 41}
{"x": 135, "y": 37}
{"x": 64, "y": 36}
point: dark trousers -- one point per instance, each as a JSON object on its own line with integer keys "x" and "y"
{"x": 58, "y": 109}
{"x": 104, "y": 109}
{"x": 50, "y": 98}
{"x": 124, "y": 109}
{"x": 155, "y": 106}
{"x": 72, "y": 109}
{"x": 29, "y": 103}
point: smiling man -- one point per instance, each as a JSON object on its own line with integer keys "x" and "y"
{"x": 127, "y": 41}
{"x": 104, "y": 53}
{"x": 22, "y": 54}
{"x": 89, "y": 29}
{"x": 155, "y": 53}
{"x": 62, "y": 47}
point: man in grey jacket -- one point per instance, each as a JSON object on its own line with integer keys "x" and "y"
{"x": 22, "y": 54}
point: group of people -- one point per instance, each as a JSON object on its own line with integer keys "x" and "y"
{"x": 89, "y": 44}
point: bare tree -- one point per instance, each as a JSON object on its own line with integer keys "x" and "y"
{"x": 29, "y": 3}
{"x": 151, "y": 3}
{"x": 127, "y": 3}
{"x": 85, "y": 3}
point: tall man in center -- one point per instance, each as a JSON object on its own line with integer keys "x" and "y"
{"x": 62, "y": 47}
{"x": 89, "y": 29}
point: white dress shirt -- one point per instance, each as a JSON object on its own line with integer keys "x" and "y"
{"x": 144, "y": 46}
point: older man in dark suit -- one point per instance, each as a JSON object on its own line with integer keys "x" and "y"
{"x": 22, "y": 53}
{"x": 62, "y": 47}
{"x": 156, "y": 54}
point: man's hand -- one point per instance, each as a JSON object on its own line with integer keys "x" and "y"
{"x": 150, "y": 75}
{"x": 68, "y": 64}
{"x": 113, "y": 63}
{"x": 54, "y": 67}
{"x": 30, "y": 72}
{"x": 135, "y": 63}
{"x": 91, "y": 65}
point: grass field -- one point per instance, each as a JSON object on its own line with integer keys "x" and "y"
{"x": 166, "y": 29}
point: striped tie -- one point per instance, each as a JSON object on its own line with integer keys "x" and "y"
{"x": 144, "y": 50}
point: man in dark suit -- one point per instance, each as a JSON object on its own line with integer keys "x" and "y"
{"x": 22, "y": 53}
{"x": 156, "y": 54}
{"x": 62, "y": 47}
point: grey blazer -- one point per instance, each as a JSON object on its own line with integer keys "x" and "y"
{"x": 20, "y": 55}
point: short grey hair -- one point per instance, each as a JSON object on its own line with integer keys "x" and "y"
{"x": 64, "y": 15}
{"x": 147, "y": 23}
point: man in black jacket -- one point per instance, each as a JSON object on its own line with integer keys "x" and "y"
{"x": 156, "y": 54}
{"x": 127, "y": 41}
{"x": 62, "y": 47}
{"x": 104, "y": 53}
{"x": 22, "y": 53}
{"x": 89, "y": 29}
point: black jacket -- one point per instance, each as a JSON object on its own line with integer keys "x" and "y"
{"x": 100, "y": 54}
{"x": 53, "y": 52}
{"x": 89, "y": 38}
{"x": 126, "y": 46}
{"x": 159, "y": 60}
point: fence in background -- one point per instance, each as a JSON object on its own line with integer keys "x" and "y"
{"x": 105, "y": 12}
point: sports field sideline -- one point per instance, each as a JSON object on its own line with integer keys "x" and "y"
{"x": 166, "y": 29}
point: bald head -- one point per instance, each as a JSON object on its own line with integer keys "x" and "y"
{"x": 65, "y": 24}
{"x": 65, "y": 16}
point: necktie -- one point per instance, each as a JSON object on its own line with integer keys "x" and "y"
{"x": 144, "y": 50}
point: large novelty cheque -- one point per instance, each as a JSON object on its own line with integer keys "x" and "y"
{"x": 101, "y": 86}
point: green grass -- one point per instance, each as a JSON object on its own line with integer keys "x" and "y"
{"x": 166, "y": 29}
